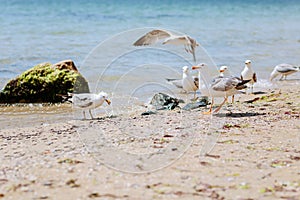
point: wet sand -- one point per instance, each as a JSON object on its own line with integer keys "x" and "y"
{"x": 247, "y": 151}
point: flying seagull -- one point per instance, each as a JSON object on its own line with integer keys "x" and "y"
{"x": 249, "y": 74}
{"x": 89, "y": 101}
{"x": 284, "y": 70}
{"x": 157, "y": 35}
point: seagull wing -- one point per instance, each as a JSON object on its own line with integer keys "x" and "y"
{"x": 284, "y": 68}
{"x": 228, "y": 83}
{"x": 82, "y": 100}
{"x": 190, "y": 43}
{"x": 196, "y": 81}
{"x": 152, "y": 37}
{"x": 254, "y": 77}
{"x": 223, "y": 84}
{"x": 176, "y": 82}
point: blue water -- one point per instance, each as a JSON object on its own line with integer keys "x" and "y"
{"x": 32, "y": 31}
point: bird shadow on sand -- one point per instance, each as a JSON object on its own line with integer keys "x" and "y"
{"x": 100, "y": 118}
{"x": 289, "y": 80}
{"x": 239, "y": 114}
{"x": 255, "y": 93}
{"x": 259, "y": 92}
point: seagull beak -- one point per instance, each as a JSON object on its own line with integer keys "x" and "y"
{"x": 108, "y": 101}
{"x": 221, "y": 71}
{"x": 195, "y": 67}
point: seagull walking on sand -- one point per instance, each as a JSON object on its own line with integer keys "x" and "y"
{"x": 89, "y": 101}
{"x": 157, "y": 35}
{"x": 220, "y": 87}
{"x": 249, "y": 74}
{"x": 284, "y": 70}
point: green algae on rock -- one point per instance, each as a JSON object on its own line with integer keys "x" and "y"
{"x": 44, "y": 83}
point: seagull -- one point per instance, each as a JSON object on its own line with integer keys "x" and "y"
{"x": 222, "y": 70}
{"x": 157, "y": 35}
{"x": 284, "y": 70}
{"x": 175, "y": 82}
{"x": 221, "y": 74}
{"x": 189, "y": 83}
{"x": 249, "y": 74}
{"x": 220, "y": 87}
{"x": 89, "y": 101}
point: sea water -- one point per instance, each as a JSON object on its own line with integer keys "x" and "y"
{"x": 229, "y": 32}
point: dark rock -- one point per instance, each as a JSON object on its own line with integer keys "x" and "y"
{"x": 44, "y": 83}
{"x": 199, "y": 103}
{"x": 163, "y": 101}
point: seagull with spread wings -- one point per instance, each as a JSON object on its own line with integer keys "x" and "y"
{"x": 157, "y": 35}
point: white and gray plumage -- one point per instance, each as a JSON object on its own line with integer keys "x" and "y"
{"x": 222, "y": 70}
{"x": 89, "y": 101}
{"x": 249, "y": 74}
{"x": 189, "y": 83}
{"x": 157, "y": 35}
{"x": 284, "y": 70}
{"x": 175, "y": 82}
{"x": 221, "y": 87}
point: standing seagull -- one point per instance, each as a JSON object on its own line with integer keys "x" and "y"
{"x": 154, "y": 36}
{"x": 221, "y": 87}
{"x": 89, "y": 101}
{"x": 249, "y": 74}
{"x": 189, "y": 83}
{"x": 284, "y": 70}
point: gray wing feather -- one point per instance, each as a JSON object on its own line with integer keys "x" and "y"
{"x": 152, "y": 37}
{"x": 82, "y": 101}
{"x": 284, "y": 68}
{"x": 225, "y": 84}
{"x": 176, "y": 82}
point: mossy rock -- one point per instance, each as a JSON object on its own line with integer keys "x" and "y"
{"x": 44, "y": 83}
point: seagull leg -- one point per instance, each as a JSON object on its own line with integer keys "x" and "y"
{"x": 218, "y": 109}
{"x": 281, "y": 78}
{"x": 195, "y": 96}
{"x": 246, "y": 90}
{"x": 232, "y": 99}
{"x": 91, "y": 114}
{"x": 210, "y": 109}
{"x": 252, "y": 89}
{"x": 84, "y": 114}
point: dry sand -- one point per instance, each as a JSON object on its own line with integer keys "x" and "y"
{"x": 247, "y": 151}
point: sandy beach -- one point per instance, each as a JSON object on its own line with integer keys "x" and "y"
{"x": 250, "y": 150}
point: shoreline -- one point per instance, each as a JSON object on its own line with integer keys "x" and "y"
{"x": 248, "y": 150}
